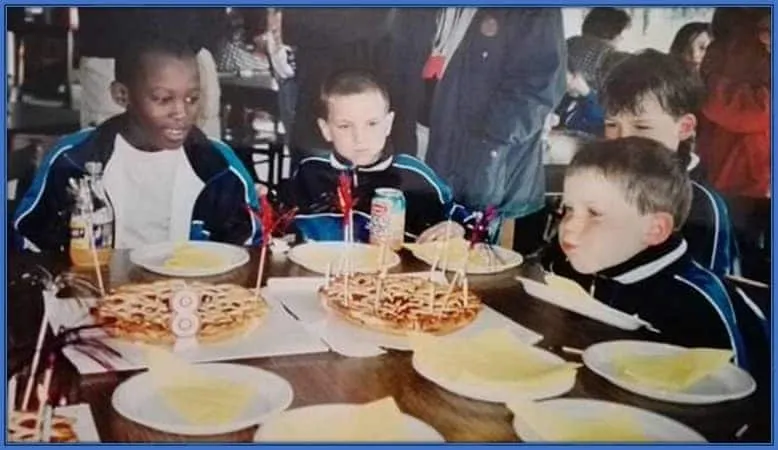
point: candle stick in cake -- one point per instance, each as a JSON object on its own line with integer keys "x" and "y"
{"x": 446, "y": 242}
{"x": 378, "y": 291}
{"x": 382, "y": 254}
{"x": 328, "y": 275}
{"x": 43, "y": 389}
{"x": 12, "y": 386}
{"x": 464, "y": 290}
{"x": 35, "y": 360}
{"x": 432, "y": 297}
{"x": 345, "y": 289}
{"x": 46, "y": 423}
{"x": 434, "y": 266}
{"x": 266, "y": 220}
{"x": 452, "y": 285}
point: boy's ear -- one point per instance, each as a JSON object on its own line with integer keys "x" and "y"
{"x": 660, "y": 228}
{"x": 325, "y": 129}
{"x": 389, "y": 123}
{"x": 687, "y": 126}
{"x": 120, "y": 94}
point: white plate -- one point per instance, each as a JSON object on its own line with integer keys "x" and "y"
{"x": 656, "y": 427}
{"x": 585, "y": 306}
{"x": 279, "y": 427}
{"x": 510, "y": 259}
{"x": 729, "y": 383}
{"x": 315, "y": 256}
{"x": 493, "y": 392}
{"x": 137, "y": 399}
{"x": 153, "y": 257}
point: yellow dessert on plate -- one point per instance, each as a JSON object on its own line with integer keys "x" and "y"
{"x": 186, "y": 256}
{"x": 673, "y": 372}
{"x": 550, "y": 425}
{"x": 198, "y": 398}
{"x": 378, "y": 421}
{"x": 494, "y": 358}
{"x": 454, "y": 254}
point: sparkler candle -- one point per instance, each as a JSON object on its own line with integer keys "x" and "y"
{"x": 346, "y": 205}
{"x": 270, "y": 221}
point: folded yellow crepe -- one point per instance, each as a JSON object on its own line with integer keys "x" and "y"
{"x": 550, "y": 425}
{"x": 673, "y": 372}
{"x": 565, "y": 285}
{"x": 494, "y": 357}
{"x": 458, "y": 251}
{"x": 197, "y": 397}
{"x": 378, "y": 421}
{"x": 186, "y": 256}
{"x": 362, "y": 257}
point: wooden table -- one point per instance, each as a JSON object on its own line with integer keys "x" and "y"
{"x": 330, "y": 378}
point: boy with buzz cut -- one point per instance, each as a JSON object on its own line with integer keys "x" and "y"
{"x": 653, "y": 95}
{"x": 165, "y": 179}
{"x": 356, "y": 119}
{"x": 624, "y": 202}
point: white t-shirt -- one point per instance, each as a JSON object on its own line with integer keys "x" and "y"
{"x": 142, "y": 193}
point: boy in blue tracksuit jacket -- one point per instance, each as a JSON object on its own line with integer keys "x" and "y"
{"x": 164, "y": 178}
{"x": 356, "y": 119}
{"x": 653, "y": 95}
{"x": 624, "y": 202}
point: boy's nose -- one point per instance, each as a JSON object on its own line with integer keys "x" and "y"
{"x": 570, "y": 229}
{"x": 357, "y": 135}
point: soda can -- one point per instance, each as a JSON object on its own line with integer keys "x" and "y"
{"x": 387, "y": 218}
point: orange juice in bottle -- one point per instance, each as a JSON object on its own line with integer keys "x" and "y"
{"x": 92, "y": 221}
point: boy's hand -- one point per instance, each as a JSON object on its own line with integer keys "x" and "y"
{"x": 438, "y": 231}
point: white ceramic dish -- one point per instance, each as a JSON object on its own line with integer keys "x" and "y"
{"x": 138, "y": 399}
{"x": 657, "y": 428}
{"x": 291, "y": 425}
{"x": 492, "y": 392}
{"x": 729, "y": 383}
{"x": 153, "y": 257}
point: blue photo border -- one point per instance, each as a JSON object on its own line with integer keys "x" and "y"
{"x": 558, "y": 3}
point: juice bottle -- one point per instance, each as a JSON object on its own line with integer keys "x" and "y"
{"x": 92, "y": 220}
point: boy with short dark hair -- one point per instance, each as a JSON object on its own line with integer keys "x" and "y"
{"x": 624, "y": 201}
{"x": 653, "y": 95}
{"x": 356, "y": 119}
{"x": 165, "y": 179}
{"x": 606, "y": 23}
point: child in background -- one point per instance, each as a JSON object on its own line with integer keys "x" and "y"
{"x": 356, "y": 119}
{"x": 653, "y": 95}
{"x": 580, "y": 109}
{"x": 690, "y": 44}
{"x": 165, "y": 179}
{"x": 624, "y": 202}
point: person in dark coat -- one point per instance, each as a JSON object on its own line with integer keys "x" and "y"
{"x": 478, "y": 84}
